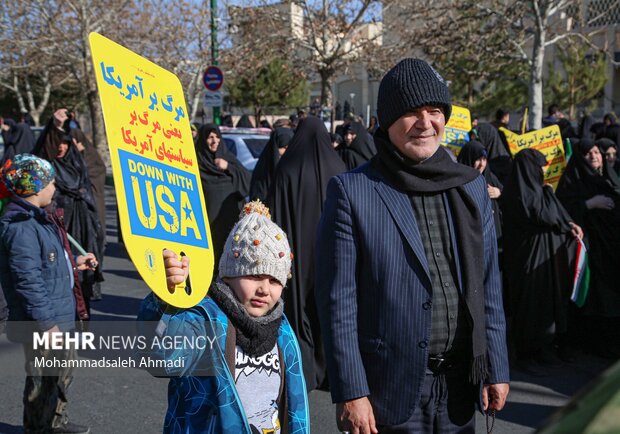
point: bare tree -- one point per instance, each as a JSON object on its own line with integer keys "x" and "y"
{"x": 24, "y": 72}
{"x": 180, "y": 44}
{"x": 54, "y": 37}
{"x": 48, "y": 39}
{"x": 322, "y": 38}
{"x": 533, "y": 26}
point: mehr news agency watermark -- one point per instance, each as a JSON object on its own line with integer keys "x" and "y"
{"x": 116, "y": 347}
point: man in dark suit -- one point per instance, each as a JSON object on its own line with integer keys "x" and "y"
{"x": 408, "y": 288}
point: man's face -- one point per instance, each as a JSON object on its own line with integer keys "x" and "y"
{"x": 417, "y": 134}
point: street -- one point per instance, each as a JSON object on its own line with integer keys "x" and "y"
{"x": 136, "y": 403}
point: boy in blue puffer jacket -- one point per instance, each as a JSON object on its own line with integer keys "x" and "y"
{"x": 249, "y": 377}
{"x": 37, "y": 277}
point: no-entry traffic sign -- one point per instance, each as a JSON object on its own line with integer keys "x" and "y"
{"x": 213, "y": 78}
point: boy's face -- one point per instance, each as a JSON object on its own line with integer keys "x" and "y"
{"x": 45, "y": 196}
{"x": 258, "y": 294}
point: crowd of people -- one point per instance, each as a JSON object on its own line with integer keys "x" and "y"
{"x": 392, "y": 259}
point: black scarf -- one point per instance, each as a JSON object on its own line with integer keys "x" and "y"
{"x": 255, "y": 336}
{"x": 437, "y": 174}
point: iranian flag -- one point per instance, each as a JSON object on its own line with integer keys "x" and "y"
{"x": 581, "y": 281}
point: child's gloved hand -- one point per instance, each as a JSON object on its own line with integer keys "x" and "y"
{"x": 176, "y": 270}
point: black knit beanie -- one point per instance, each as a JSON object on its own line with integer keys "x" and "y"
{"x": 412, "y": 83}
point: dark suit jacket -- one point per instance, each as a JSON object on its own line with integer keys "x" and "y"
{"x": 374, "y": 293}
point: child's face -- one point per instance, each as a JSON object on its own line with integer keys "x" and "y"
{"x": 45, "y": 196}
{"x": 258, "y": 294}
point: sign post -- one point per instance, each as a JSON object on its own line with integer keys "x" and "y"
{"x": 213, "y": 78}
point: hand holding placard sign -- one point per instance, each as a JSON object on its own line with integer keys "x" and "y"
{"x": 547, "y": 140}
{"x": 156, "y": 176}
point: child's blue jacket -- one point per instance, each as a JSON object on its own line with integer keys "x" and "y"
{"x": 34, "y": 272}
{"x": 202, "y": 397}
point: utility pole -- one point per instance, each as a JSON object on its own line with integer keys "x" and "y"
{"x": 214, "y": 53}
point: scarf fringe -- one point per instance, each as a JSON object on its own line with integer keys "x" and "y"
{"x": 479, "y": 369}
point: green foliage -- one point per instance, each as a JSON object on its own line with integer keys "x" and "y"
{"x": 276, "y": 84}
{"x": 581, "y": 78}
{"x": 473, "y": 49}
{"x": 505, "y": 88}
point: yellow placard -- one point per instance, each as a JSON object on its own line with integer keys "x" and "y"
{"x": 457, "y": 129}
{"x": 547, "y": 140}
{"x": 156, "y": 176}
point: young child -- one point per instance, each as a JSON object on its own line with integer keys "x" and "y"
{"x": 37, "y": 276}
{"x": 249, "y": 379}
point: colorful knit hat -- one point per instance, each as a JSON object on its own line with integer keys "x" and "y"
{"x": 256, "y": 245}
{"x": 26, "y": 175}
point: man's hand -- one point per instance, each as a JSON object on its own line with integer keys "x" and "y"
{"x": 85, "y": 262}
{"x": 221, "y": 164}
{"x": 494, "y": 396}
{"x": 176, "y": 271}
{"x": 576, "y": 230}
{"x": 356, "y": 416}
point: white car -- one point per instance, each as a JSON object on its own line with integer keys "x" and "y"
{"x": 246, "y": 143}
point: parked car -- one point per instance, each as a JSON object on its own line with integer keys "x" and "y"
{"x": 246, "y": 143}
{"x": 37, "y": 131}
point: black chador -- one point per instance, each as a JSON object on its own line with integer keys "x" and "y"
{"x": 265, "y": 169}
{"x": 536, "y": 265}
{"x": 361, "y": 150}
{"x": 296, "y": 203}
{"x": 601, "y": 227}
{"x": 224, "y": 190}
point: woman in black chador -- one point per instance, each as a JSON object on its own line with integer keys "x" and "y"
{"x": 537, "y": 231}
{"x": 590, "y": 191}
{"x": 473, "y": 154}
{"x": 296, "y": 202}
{"x": 609, "y": 151}
{"x": 74, "y": 194}
{"x": 265, "y": 169}
{"x": 225, "y": 184}
{"x": 18, "y": 138}
{"x": 358, "y": 146}
{"x": 498, "y": 155}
